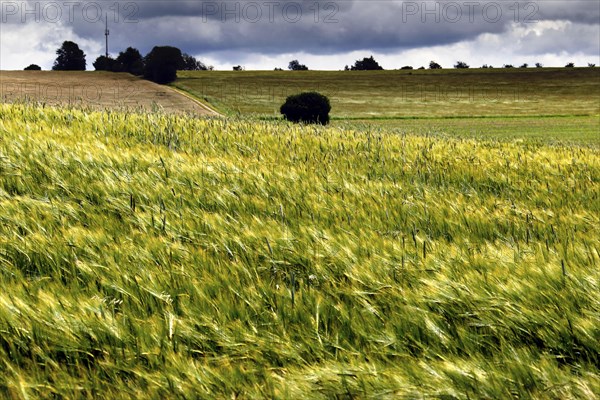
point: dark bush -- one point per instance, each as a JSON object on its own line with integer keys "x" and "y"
{"x": 461, "y": 65}
{"x": 366, "y": 64}
{"x": 131, "y": 61}
{"x": 308, "y": 107}
{"x": 104, "y": 63}
{"x": 33, "y": 67}
{"x": 161, "y": 64}
{"x": 295, "y": 65}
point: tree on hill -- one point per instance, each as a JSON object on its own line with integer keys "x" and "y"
{"x": 538, "y": 65}
{"x": 131, "y": 61}
{"x": 104, "y": 63}
{"x": 434, "y": 65}
{"x": 295, "y": 65}
{"x": 366, "y": 64}
{"x": 570, "y": 65}
{"x": 191, "y": 64}
{"x": 162, "y": 63}
{"x": 69, "y": 58}
{"x": 32, "y": 67}
{"x": 461, "y": 64}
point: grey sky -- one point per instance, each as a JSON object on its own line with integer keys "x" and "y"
{"x": 322, "y": 34}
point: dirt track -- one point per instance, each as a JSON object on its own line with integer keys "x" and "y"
{"x": 98, "y": 90}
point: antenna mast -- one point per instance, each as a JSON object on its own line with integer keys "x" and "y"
{"x": 106, "y": 33}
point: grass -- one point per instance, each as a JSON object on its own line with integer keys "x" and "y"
{"x": 402, "y": 94}
{"x": 581, "y": 130}
{"x": 149, "y": 255}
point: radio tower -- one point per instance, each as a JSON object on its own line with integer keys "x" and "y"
{"x": 106, "y": 33}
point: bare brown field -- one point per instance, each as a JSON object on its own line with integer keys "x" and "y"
{"x": 97, "y": 90}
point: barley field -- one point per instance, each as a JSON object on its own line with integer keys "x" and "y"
{"x": 165, "y": 256}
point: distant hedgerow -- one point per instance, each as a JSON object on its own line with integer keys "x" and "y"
{"x": 308, "y": 107}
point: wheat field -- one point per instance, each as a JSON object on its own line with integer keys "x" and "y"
{"x": 166, "y": 256}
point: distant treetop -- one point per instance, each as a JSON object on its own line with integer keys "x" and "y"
{"x": 191, "y": 64}
{"x": 295, "y": 65}
{"x": 69, "y": 58}
{"x": 366, "y": 64}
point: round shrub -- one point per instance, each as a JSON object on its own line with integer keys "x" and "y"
{"x": 309, "y": 107}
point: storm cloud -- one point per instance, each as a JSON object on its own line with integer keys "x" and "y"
{"x": 232, "y": 31}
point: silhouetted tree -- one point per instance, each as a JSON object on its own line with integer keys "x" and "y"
{"x": 366, "y": 64}
{"x": 309, "y": 107}
{"x": 569, "y": 65}
{"x": 508, "y": 66}
{"x": 407, "y": 67}
{"x": 538, "y": 65}
{"x": 33, "y": 67}
{"x": 238, "y": 68}
{"x": 191, "y": 64}
{"x": 295, "y": 65}
{"x": 69, "y": 58}
{"x": 461, "y": 64}
{"x": 131, "y": 61}
{"x": 524, "y": 65}
{"x": 434, "y": 65}
{"x": 591, "y": 65}
{"x": 104, "y": 63}
{"x": 161, "y": 64}
{"x": 485, "y": 66}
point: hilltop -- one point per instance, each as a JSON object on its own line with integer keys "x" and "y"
{"x": 95, "y": 90}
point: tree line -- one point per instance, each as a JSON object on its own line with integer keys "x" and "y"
{"x": 161, "y": 64}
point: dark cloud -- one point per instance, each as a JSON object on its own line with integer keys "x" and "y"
{"x": 320, "y": 27}
{"x": 580, "y": 11}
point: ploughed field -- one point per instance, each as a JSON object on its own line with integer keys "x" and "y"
{"x": 95, "y": 90}
{"x": 156, "y": 255}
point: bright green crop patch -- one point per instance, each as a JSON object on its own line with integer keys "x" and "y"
{"x": 405, "y": 94}
{"x": 160, "y": 256}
